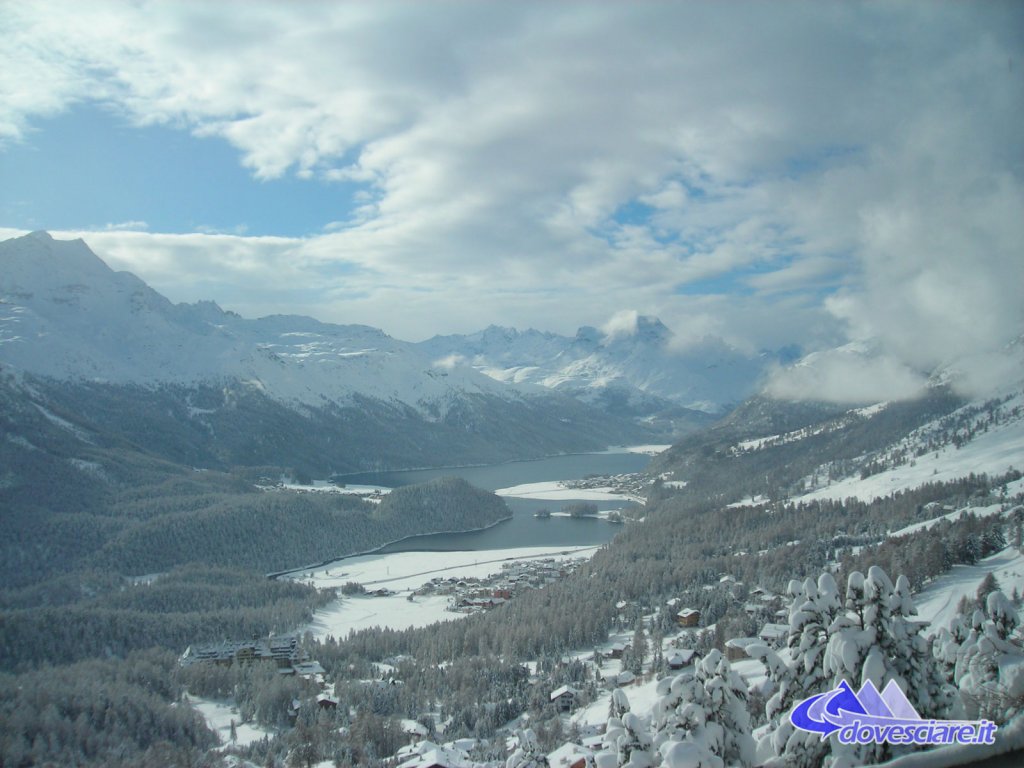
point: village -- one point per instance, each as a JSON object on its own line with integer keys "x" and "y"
{"x": 470, "y": 594}
{"x": 632, "y": 485}
{"x": 578, "y": 691}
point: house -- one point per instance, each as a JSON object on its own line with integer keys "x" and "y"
{"x": 564, "y": 698}
{"x": 736, "y": 649}
{"x": 426, "y": 754}
{"x": 774, "y": 635}
{"x": 679, "y": 659}
{"x": 688, "y": 617}
{"x": 326, "y": 702}
{"x": 626, "y": 678}
{"x": 618, "y": 649}
{"x": 569, "y": 755}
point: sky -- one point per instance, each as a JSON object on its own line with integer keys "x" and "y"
{"x": 767, "y": 173}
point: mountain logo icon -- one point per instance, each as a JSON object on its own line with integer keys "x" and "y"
{"x": 868, "y": 716}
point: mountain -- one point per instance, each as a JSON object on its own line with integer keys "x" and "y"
{"x": 206, "y": 387}
{"x": 634, "y": 369}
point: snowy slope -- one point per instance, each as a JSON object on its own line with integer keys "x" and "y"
{"x": 65, "y": 314}
{"x": 990, "y": 441}
{"x": 638, "y": 362}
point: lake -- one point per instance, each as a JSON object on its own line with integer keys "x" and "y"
{"x": 523, "y": 530}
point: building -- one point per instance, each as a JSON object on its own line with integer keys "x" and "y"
{"x": 688, "y": 617}
{"x": 281, "y": 651}
{"x": 569, "y": 755}
{"x": 736, "y": 649}
{"x": 564, "y": 698}
{"x": 679, "y": 659}
{"x": 774, "y": 635}
{"x": 618, "y": 649}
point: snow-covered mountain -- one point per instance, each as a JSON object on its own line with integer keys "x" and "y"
{"x": 67, "y": 315}
{"x": 635, "y": 366}
{"x": 98, "y": 340}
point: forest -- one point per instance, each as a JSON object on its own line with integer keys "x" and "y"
{"x": 91, "y": 621}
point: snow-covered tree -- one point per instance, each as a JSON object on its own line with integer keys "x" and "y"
{"x": 989, "y": 663}
{"x": 527, "y": 753}
{"x": 814, "y": 607}
{"x": 706, "y": 710}
{"x": 627, "y": 736}
{"x": 877, "y": 638}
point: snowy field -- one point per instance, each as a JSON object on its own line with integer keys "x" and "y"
{"x": 937, "y": 602}
{"x": 369, "y": 492}
{"x": 218, "y": 716}
{"x": 403, "y": 573}
{"x": 557, "y": 490}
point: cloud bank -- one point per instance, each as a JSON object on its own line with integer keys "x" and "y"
{"x": 765, "y": 173}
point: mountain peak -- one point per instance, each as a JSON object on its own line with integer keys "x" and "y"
{"x": 631, "y": 325}
{"x": 36, "y": 260}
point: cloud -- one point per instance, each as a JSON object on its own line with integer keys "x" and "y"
{"x": 847, "y": 375}
{"x": 123, "y": 226}
{"x": 622, "y": 324}
{"x": 449, "y": 362}
{"x": 762, "y": 173}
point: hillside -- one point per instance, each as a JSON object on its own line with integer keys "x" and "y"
{"x": 203, "y": 387}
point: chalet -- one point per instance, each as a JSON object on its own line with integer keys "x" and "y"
{"x": 426, "y": 754}
{"x": 564, "y": 698}
{"x": 326, "y": 702}
{"x": 679, "y": 659}
{"x": 626, "y": 678}
{"x": 309, "y": 670}
{"x": 618, "y": 649}
{"x": 774, "y": 635}
{"x": 688, "y": 617}
{"x": 570, "y": 755}
{"x": 736, "y": 649}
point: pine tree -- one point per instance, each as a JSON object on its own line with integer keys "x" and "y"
{"x": 527, "y": 753}
{"x": 708, "y": 712}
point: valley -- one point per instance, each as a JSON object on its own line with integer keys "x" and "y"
{"x": 519, "y": 595}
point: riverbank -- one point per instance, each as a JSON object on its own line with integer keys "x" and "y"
{"x": 402, "y": 574}
{"x": 376, "y": 550}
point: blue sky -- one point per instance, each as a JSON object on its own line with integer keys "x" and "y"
{"x": 764, "y": 173}
{"x": 156, "y": 177}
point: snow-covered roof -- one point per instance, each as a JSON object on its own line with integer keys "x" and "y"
{"x": 567, "y": 754}
{"x": 563, "y": 690}
{"x": 742, "y": 642}
{"x": 427, "y": 753}
{"x": 773, "y": 631}
{"x": 680, "y": 657}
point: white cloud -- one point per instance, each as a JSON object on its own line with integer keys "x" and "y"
{"x": 622, "y": 324}
{"x": 814, "y": 169}
{"x": 848, "y": 377}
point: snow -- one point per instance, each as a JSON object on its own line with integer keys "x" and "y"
{"x": 218, "y": 716}
{"x": 937, "y": 602}
{"x": 403, "y": 573}
{"x": 322, "y": 486}
{"x": 88, "y": 322}
{"x": 993, "y": 452}
{"x": 647, "y": 450}
{"x": 707, "y": 376}
{"x": 556, "y": 490}
{"x": 992, "y": 509}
